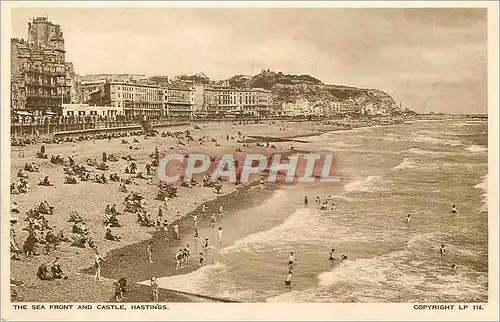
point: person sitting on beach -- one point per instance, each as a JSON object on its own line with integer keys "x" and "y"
{"x": 154, "y": 289}
{"x": 21, "y": 174}
{"x": 61, "y": 237}
{"x": 454, "y": 210}
{"x": 14, "y": 208}
{"x": 43, "y": 273}
{"x": 122, "y": 187}
{"x": 57, "y": 270}
{"x": 288, "y": 280}
{"x": 408, "y": 219}
{"x": 45, "y": 182}
{"x": 109, "y": 235}
{"x": 332, "y": 258}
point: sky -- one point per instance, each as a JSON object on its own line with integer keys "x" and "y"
{"x": 430, "y": 59}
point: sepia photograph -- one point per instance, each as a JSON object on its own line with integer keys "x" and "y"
{"x": 247, "y": 153}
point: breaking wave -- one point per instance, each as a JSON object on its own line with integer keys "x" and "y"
{"x": 476, "y": 148}
{"x": 370, "y": 184}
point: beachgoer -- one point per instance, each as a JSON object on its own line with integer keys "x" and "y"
{"x": 288, "y": 280}
{"x": 221, "y": 212}
{"x": 332, "y": 258}
{"x": 205, "y": 245}
{"x": 74, "y": 149}
{"x": 318, "y": 200}
{"x": 178, "y": 259}
{"x": 120, "y": 288}
{"x": 212, "y": 221}
{"x": 195, "y": 221}
{"x": 203, "y": 208}
{"x": 150, "y": 251}
{"x": 219, "y": 235}
{"x": 344, "y": 257}
{"x": 442, "y": 250}
{"x": 188, "y": 254}
{"x": 97, "y": 264}
{"x": 306, "y": 201}
{"x": 291, "y": 259}
{"x": 454, "y": 266}
{"x": 178, "y": 215}
{"x": 454, "y": 210}
{"x": 154, "y": 289}
{"x": 408, "y": 218}
{"x": 176, "y": 231}
{"x": 165, "y": 230}
{"x": 202, "y": 259}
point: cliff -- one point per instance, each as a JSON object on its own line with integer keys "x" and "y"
{"x": 290, "y": 88}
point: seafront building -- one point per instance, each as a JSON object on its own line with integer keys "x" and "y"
{"x": 237, "y": 102}
{"x": 38, "y": 70}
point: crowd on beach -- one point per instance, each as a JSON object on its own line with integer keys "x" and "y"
{"x": 41, "y": 232}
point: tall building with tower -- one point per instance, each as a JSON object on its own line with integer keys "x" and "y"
{"x": 39, "y": 84}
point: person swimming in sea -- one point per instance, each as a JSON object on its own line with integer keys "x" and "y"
{"x": 454, "y": 266}
{"x": 318, "y": 200}
{"x": 288, "y": 280}
{"x": 291, "y": 260}
{"x": 454, "y": 210}
{"x": 331, "y": 255}
{"x": 344, "y": 257}
{"x": 408, "y": 218}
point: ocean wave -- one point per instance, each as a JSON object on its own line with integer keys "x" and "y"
{"x": 305, "y": 225}
{"x": 484, "y": 186}
{"x": 426, "y": 152}
{"x": 370, "y": 184}
{"x": 476, "y": 148}
{"x": 429, "y": 139}
{"x": 191, "y": 282}
{"x": 407, "y": 163}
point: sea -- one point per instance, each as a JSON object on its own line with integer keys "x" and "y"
{"x": 387, "y": 172}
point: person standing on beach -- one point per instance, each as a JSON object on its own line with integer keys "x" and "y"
{"x": 158, "y": 219}
{"x": 166, "y": 202}
{"x": 150, "y": 251}
{"x": 195, "y": 221}
{"x": 202, "y": 259}
{"x": 306, "y": 201}
{"x": 176, "y": 231}
{"x": 74, "y": 149}
{"x": 178, "y": 259}
{"x": 206, "y": 246}
{"x": 212, "y": 221}
{"x": 221, "y": 212}
{"x": 154, "y": 289}
{"x": 97, "y": 264}
{"x": 332, "y": 258}
{"x": 203, "y": 208}
{"x": 188, "y": 254}
{"x": 165, "y": 230}
{"x": 178, "y": 215}
{"x": 219, "y": 235}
